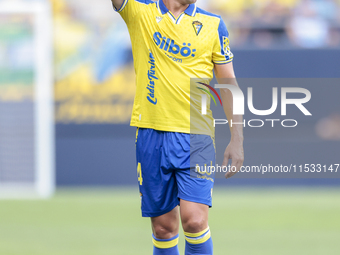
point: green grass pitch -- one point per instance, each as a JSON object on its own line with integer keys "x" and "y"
{"x": 243, "y": 221}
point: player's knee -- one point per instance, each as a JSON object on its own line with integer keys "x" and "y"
{"x": 194, "y": 224}
{"x": 165, "y": 231}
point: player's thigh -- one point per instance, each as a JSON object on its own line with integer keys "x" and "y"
{"x": 195, "y": 183}
{"x": 157, "y": 184}
{"x": 166, "y": 226}
{"x": 194, "y": 216}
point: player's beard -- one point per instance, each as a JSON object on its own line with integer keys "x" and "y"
{"x": 184, "y": 2}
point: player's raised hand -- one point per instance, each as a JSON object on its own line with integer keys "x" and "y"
{"x": 235, "y": 152}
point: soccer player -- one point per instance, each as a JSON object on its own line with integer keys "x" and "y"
{"x": 174, "y": 42}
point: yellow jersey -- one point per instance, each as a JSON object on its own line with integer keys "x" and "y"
{"x": 170, "y": 56}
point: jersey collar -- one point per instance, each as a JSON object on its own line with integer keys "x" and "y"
{"x": 191, "y": 10}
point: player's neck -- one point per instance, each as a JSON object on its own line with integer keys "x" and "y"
{"x": 175, "y": 7}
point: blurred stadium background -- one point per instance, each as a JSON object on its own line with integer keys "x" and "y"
{"x": 88, "y": 150}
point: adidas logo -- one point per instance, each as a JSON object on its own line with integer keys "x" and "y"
{"x": 159, "y": 19}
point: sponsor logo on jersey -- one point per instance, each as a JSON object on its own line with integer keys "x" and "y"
{"x": 169, "y": 45}
{"x": 152, "y": 77}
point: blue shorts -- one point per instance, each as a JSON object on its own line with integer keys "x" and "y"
{"x": 167, "y": 169}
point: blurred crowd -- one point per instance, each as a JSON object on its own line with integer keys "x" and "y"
{"x": 281, "y": 23}
{"x": 253, "y": 23}
{"x": 92, "y": 48}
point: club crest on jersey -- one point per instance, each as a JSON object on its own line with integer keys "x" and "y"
{"x": 197, "y": 26}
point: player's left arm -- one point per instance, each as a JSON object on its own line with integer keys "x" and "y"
{"x": 234, "y": 151}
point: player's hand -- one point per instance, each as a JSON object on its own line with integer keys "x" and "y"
{"x": 234, "y": 151}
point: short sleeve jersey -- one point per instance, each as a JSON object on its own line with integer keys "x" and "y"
{"x": 168, "y": 54}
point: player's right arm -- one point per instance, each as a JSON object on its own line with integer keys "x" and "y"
{"x": 117, "y": 4}
{"x": 129, "y": 9}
